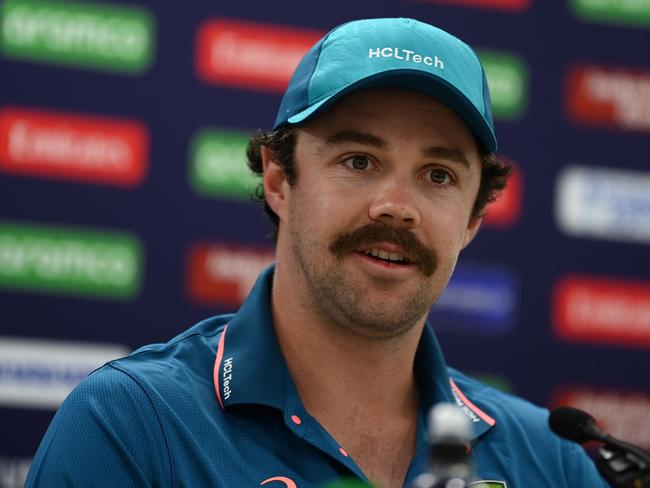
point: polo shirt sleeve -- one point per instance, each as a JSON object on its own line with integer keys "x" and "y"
{"x": 106, "y": 433}
{"x": 579, "y": 469}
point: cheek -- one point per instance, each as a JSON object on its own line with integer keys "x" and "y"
{"x": 326, "y": 202}
{"x": 312, "y": 215}
{"x": 448, "y": 233}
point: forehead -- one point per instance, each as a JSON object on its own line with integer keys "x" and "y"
{"x": 396, "y": 115}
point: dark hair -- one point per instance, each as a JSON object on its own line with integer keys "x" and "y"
{"x": 282, "y": 141}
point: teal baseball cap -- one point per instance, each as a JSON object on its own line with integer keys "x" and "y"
{"x": 391, "y": 52}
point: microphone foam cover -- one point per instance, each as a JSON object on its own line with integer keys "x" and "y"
{"x": 570, "y": 423}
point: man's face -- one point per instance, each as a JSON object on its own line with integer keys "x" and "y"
{"x": 386, "y": 181}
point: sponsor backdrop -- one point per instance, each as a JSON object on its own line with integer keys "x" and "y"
{"x": 125, "y": 213}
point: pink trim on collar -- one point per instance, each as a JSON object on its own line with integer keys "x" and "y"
{"x": 217, "y": 366}
{"x": 485, "y": 417}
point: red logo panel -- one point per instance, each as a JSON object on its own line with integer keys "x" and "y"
{"x": 622, "y": 414}
{"x": 609, "y": 97}
{"x": 498, "y": 4}
{"x": 505, "y": 211}
{"x": 73, "y": 147}
{"x": 602, "y": 311}
{"x": 250, "y": 55}
{"x": 223, "y": 274}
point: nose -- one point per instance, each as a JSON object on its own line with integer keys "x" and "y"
{"x": 394, "y": 204}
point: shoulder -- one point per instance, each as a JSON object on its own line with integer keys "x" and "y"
{"x": 107, "y": 420}
{"x": 522, "y": 435}
{"x": 119, "y": 416}
{"x": 156, "y": 365}
{"x": 511, "y": 410}
{"x": 518, "y": 422}
{"x": 133, "y": 376}
{"x": 518, "y": 425}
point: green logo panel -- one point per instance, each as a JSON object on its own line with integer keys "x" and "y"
{"x": 634, "y": 13}
{"x": 507, "y": 77}
{"x": 85, "y": 35}
{"x": 69, "y": 261}
{"x": 218, "y": 164}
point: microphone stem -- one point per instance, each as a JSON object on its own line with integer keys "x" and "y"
{"x": 614, "y": 443}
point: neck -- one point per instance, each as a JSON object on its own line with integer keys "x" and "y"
{"x": 336, "y": 370}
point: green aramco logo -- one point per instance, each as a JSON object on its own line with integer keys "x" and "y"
{"x": 84, "y": 35}
{"x": 634, "y": 13}
{"x": 46, "y": 259}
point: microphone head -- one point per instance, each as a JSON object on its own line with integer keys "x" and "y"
{"x": 448, "y": 423}
{"x": 450, "y": 431}
{"x": 573, "y": 424}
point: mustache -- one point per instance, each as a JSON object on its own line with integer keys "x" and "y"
{"x": 377, "y": 232}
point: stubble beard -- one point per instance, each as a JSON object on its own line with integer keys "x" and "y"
{"x": 347, "y": 303}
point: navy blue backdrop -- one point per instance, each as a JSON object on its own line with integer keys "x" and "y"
{"x": 103, "y": 251}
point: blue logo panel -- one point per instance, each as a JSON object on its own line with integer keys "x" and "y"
{"x": 479, "y": 300}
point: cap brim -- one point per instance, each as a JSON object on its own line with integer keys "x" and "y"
{"x": 422, "y": 81}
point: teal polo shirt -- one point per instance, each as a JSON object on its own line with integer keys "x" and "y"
{"x": 217, "y": 407}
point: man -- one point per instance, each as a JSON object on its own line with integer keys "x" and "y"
{"x": 377, "y": 173}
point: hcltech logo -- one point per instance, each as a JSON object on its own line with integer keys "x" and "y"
{"x": 251, "y": 55}
{"x": 73, "y": 147}
{"x": 406, "y": 55}
{"x": 69, "y": 261}
{"x": 86, "y": 35}
{"x": 218, "y": 164}
{"x": 478, "y": 300}
{"x": 602, "y": 310}
{"x": 604, "y": 203}
{"x": 40, "y": 373}
{"x": 507, "y": 77}
{"x": 224, "y": 274}
{"x": 623, "y": 414}
{"x": 627, "y": 12}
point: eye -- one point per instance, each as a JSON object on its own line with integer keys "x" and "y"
{"x": 440, "y": 177}
{"x": 358, "y": 162}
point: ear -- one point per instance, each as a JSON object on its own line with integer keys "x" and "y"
{"x": 276, "y": 186}
{"x": 472, "y": 229}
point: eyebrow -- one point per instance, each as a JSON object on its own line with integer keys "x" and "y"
{"x": 358, "y": 137}
{"x": 447, "y": 153}
{"x": 375, "y": 141}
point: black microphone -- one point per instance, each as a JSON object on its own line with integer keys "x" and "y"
{"x": 622, "y": 464}
{"x": 575, "y": 425}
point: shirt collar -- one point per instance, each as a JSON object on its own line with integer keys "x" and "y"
{"x": 250, "y": 368}
{"x": 436, "y": 385}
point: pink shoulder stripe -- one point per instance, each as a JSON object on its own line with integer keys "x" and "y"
{"x": 484, "y": 416}
{"x": 217, "y": 366}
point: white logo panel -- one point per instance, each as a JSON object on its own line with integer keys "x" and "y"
{"x": 604, "y": 203}
{"x": 41, "y": 373}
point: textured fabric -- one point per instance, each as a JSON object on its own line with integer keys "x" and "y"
{"x": 154, "y": 418}
{"x": 388, "y": 52}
